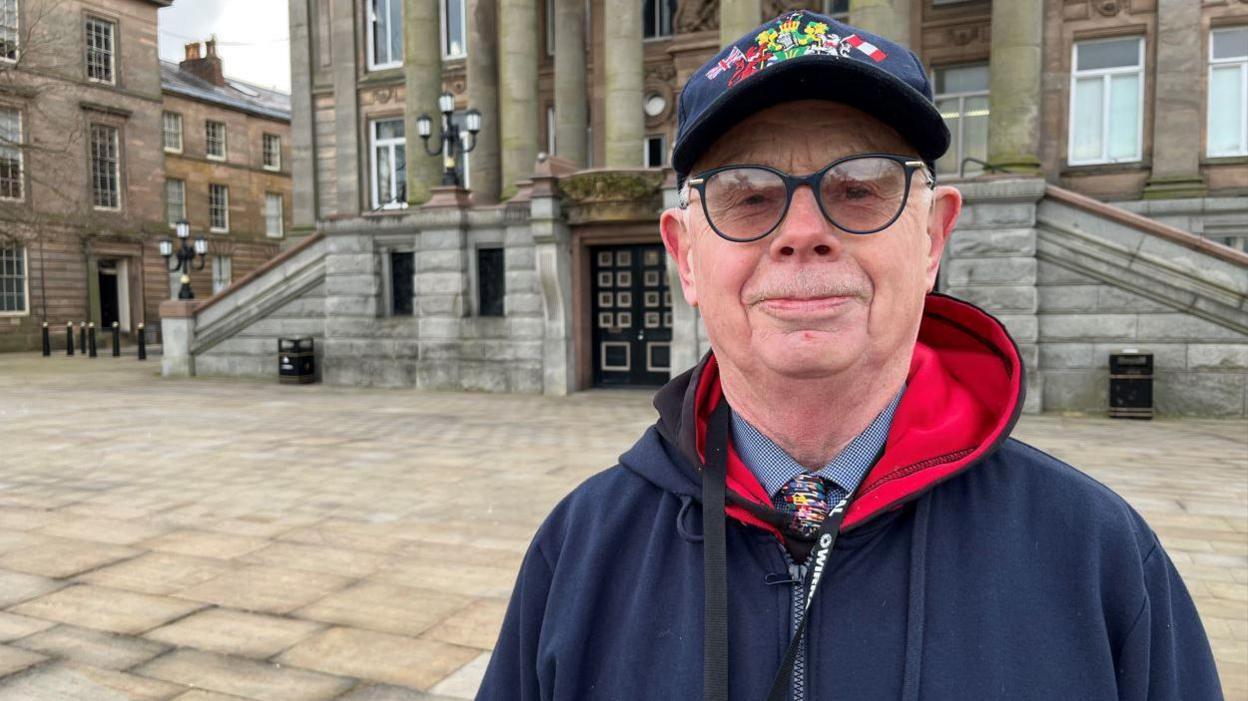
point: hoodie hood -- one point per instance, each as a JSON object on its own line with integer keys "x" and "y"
{"x": 964, "y": 393}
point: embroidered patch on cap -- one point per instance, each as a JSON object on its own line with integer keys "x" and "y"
{"x": 791, "y": 36}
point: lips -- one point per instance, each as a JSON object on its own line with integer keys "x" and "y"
{"x": 802, "y": 306}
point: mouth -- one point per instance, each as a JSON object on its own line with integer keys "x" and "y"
{"x": 793, "y": 307}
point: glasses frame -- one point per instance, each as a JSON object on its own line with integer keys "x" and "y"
{"x": 792, "y": 182}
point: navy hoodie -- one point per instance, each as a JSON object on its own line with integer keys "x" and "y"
{"x": 969, "y": 566}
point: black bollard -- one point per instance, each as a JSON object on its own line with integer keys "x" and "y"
{"x": 91, "y": 338}
{"x": 116, "y": 339}
{"x": 82, "y": 337}
{"x": 47, "y": 343}
{"x": 69, "y": 338}
{"x": 142, "y": 343}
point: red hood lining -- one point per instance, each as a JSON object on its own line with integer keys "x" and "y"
{"x": 964, "y": 391}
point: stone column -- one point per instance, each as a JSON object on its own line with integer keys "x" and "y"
{"x": 348, "y": 166}
{"x": 483, "y": 95}
{"x": 552, "y": 259}
{"x": 518, "y": 108}
{"x": 1177, "y": 109}
{"x": 887, "y": 18}
{"x": 736, "y": 17}
{"x": 624, "y": 121}
{"x": 422, "y": 83}
{"x": 1014, "y": 88}
{"x": 571, "y": 93}
{"x": 303, "y": 165}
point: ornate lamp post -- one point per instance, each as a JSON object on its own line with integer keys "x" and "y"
{"x": 450, "y": 135}
{"x": 186, "y": 254}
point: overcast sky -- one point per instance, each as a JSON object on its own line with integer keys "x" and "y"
{"x": 253, "y": 36}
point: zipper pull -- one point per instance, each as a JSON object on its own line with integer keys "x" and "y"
{"x": 798, "y": 573}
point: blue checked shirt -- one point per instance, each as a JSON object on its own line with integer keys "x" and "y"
{"x": 774, "y": 468}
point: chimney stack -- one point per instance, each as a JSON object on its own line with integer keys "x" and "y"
{"x": 208, "y": 67}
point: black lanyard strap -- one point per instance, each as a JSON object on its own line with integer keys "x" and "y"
{"x": 715, "y": 558}
{"x": 715, "y": 563}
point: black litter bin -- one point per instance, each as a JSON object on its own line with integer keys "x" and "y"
{"x": 295, "y": 363}
{"x": 1131, "y": 385}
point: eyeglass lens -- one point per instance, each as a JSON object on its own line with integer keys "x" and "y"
{"x": 858, "y": 195}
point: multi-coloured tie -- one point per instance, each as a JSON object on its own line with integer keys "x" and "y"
{"x": 805, "y": 499}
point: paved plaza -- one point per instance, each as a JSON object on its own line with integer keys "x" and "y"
{"x": 220, "y": 539}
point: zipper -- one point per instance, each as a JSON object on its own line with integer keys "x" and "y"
{"x": 797, "y": 688}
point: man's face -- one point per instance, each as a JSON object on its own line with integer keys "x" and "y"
{"x": 810, "y": 300}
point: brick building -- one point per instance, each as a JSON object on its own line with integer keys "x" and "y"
{"x": 227, "y": 164}
{"x": 84, "y": 105}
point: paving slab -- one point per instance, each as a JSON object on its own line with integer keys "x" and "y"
{"x": 333, "y": 540}
{"x": 231, "y": 632}
{"x": 104, "y": 608}
{"x": 74, "y": 682}
{"x": 381, "y": 657}
{"x": 91, "y": 647}
{"x": 262, "y": 681}
{"x": 386, "y": 607}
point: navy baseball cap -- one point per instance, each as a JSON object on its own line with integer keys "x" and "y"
{"x": 803, "y": 55}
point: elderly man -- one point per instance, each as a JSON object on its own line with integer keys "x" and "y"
{"x": 830, "y": 506}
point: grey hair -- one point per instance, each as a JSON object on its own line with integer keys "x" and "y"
{"x": 683, "y": 197}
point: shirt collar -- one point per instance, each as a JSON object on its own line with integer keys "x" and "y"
{"x": 774, "y": 468}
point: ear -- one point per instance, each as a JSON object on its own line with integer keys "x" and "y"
{"x": 942, "y": 216}
{"x": 678, "y": 239}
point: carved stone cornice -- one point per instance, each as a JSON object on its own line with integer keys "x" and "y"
{"x": 612, "y": 195}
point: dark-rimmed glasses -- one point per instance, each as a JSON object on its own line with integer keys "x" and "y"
{"x": 859, "y": 194}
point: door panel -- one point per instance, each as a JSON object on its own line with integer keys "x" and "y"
{"x": 631, "y": 315}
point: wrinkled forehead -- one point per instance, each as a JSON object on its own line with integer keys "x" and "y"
{"x": 801, "y": 137}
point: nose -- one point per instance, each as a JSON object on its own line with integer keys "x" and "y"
{"x": 804, "y": 233}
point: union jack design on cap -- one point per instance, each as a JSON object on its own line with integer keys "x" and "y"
{"x": 804, "y": 55}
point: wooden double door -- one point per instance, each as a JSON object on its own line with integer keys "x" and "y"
{"x": 631, "y": 315}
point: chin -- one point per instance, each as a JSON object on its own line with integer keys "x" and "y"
{"x": 809, "y": 354}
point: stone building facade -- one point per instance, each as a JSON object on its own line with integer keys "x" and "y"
{"x": 83, "y": 203}
{"x": 547, "y": 274}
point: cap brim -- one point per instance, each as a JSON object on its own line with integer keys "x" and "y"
{"x": 850, "y": 81}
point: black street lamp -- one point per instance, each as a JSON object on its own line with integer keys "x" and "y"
{"x": 186, "y": 254}
{"x": 450, "y": 135}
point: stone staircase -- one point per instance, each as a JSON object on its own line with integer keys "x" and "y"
{"x": 1076, "y": 279}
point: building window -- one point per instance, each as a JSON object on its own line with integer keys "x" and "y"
{"x": 1106, "y": 105}
{"x": 273, "y": 215}
{"x": 1228, "y": 92}
{"x": 490, "y": 281}
{"x": 218, "y": 208}
{"x": 385, "y": 34}
{"x": 837, "y": 9}
{"x": 175, "y": 201}
{"x": 962, "y": 98}
{"x": 100, "y": 50}
{"x": 550, "y": 129}
{"x": 214, "y": 140}
{"x": 459, "y": 119}
{"x": 105, "y": 168}
{"x": 221, "y": 273}
{"x": 389, "y": 181}
{"x": 272, "y": 147}
{"x": 402, "y": 270}
{"x": 10, "y": 154}
{"x": 8, "y": 30}
{"x": 13, "y": 280}
{"x": 454, "y": 41}
{"x": 657, "y": 18}
{"x": 173, "y": 132}
{"x": 656, "y": 151}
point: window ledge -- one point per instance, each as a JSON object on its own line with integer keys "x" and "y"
{"x": 1241, "y": 159}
